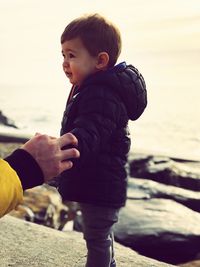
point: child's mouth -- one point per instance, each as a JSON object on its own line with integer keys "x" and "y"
{"x": 68, "y": 74}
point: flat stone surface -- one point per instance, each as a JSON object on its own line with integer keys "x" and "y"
{"x": 25, "y": 244}
{"x": 160, "y": 228}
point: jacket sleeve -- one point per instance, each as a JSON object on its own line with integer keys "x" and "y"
{"x": 94, "y": 124}
{"x": 11, "y": 192}
{"x": 19, "y": 171}
{"x": 26, "y": 168}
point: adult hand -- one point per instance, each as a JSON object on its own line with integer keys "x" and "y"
{"x": 48, "y": 153}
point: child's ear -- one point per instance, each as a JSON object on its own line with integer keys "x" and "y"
{"x": 102, "y": 61}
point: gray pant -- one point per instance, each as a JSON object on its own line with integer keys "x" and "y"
{"x": 97, "y": 230}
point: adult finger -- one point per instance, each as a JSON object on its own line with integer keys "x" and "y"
{"x": 67, "y": 139}
{"x": 66, "y": 165}
{"x": 69, "y": 153}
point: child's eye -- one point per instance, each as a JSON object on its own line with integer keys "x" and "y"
{"x": 71, "y": 55}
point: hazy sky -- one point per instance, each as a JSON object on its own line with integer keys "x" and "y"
{"x": 30, "y": 32}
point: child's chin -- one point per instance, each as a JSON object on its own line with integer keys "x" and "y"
{"x": 71, "y": 81}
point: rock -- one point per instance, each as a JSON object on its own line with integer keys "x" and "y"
{"x": 14, "y": 137}
{"x": 146, "y": 189}
{"x": 6, "y": 121}
{"x": 167, "y": 171}
{"x": 43, "y": 205}
{"x": 195, "y": 263}
{"x": 7, "y": 148}
{"x": 159, "y": 228}
{"x": 27, "y": 244}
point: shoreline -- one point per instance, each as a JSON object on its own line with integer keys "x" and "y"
{"x": 10, "y": 141}
{"x": 173, "y": 156}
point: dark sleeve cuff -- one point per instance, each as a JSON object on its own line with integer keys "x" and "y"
{"x": 26, "y": 167}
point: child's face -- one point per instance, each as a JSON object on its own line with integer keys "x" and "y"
{"x": 78, "y": 63}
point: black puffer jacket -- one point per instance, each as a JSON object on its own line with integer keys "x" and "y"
{"x": 98, "y": 115}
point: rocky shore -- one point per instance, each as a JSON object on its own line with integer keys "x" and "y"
{"x": 160, "y": 220}
{"x": 25, "y": 244}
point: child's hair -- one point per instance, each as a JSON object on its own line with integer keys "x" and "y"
{"x": 97, "y": 34}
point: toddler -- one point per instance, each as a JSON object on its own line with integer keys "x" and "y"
{"x": 104, "y": 96}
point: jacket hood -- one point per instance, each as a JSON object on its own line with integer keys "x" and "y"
{"x": 129, "y": 84}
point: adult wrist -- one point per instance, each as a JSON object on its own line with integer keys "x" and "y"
{"x": 26, "y": 167}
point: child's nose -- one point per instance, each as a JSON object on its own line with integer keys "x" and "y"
{"x": 65, "y": 62}
{"x": 65, "y": 66}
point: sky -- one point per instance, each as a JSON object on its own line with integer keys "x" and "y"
{"x": 30, "y": 32}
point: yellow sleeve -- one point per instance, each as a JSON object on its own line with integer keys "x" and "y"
{"x": 11, "y": 192}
